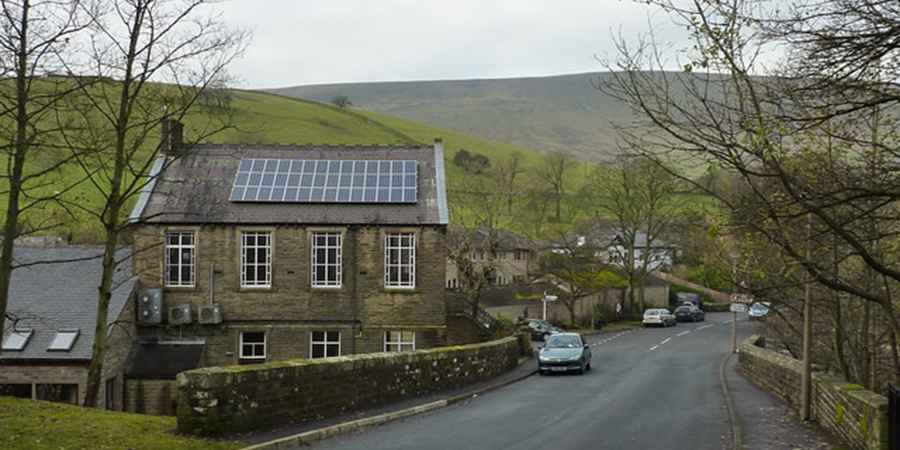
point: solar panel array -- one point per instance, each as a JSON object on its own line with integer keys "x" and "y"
{"x": 325, "y": 181}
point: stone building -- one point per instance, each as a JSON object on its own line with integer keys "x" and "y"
{"x": 47, "y": 343}
{"x": 257, "y": 253}
{"x": 512, "y": 258}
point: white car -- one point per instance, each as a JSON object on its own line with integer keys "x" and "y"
{"x": 659, "y": 317}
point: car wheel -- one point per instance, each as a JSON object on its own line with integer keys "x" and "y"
{"x": 581, "y": 370}
{"x": 588, "y": 367}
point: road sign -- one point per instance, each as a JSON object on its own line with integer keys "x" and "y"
{"x": 742, "y": 298}
{"x": 738, "y": 307}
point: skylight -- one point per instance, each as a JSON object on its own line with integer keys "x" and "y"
{"x": 16, "y": 340}
{"x": 63, "y": 340}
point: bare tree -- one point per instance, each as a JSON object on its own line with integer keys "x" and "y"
{"x": 641, "y": 199}
{"x": 806, "y": 140}
{"x": 34, "y": 38}
{"x": 553, "y": 173}
{"x": 509, "y": 173}
{"x": 155, "y": 59}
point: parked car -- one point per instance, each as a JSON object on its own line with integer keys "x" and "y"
{"x": 759, "y": 311}
{"x": 565, "y": 352}
{"x": 541, "y": 329}
{"x": 689, "y": 313}
{"x": 659, "y": 316}
{"x": 689, "y": 297}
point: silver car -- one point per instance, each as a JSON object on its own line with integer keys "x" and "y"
{"x": 659, "y": 317}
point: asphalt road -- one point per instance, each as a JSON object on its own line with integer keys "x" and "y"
{"x": 649, "y": 389}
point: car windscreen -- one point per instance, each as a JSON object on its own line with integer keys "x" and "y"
{"x": 683, "y": 309}
{"x": 651, "y": 312}
{"x": 564, "y": 341}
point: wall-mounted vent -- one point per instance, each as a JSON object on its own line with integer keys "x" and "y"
{"x": 180, "y": 314}
{"x": 210, "y": 314}
{"x": 150, "y": 306}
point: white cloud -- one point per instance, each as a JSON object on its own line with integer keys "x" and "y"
{"x": 327, "y": 41}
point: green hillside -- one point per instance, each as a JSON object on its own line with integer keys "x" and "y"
{"x": 559, "y": 113}
{"x": 272, "y": 119}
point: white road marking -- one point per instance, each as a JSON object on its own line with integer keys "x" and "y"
{"x": 704, "y": 327}
{"x": 683, "y": 333}
{"x": 665, "y": 340}
{"x": 653, "y": 348}
{"x": 727, "y": 321}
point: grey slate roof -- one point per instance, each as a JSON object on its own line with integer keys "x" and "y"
{"x": 51, "y": 297}
{"x": 195, "y": 189}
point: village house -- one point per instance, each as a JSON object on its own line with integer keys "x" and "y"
{"x": 260, "y": 253}
{"x": 512, "y": 258}
{"x": 49, "y": 335}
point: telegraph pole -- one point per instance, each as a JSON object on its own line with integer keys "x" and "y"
{"x": 806, "y": 376}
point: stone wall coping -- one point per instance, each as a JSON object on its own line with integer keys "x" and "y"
{"x": 225, "y": 373}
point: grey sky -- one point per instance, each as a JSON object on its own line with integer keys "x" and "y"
{"x": 328, "y": 41}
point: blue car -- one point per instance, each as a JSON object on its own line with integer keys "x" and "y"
{"x": 565, "y": 353}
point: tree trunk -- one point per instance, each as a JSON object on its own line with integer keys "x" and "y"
{"x": 95, "y": 371}
{"x": 558, "y": 207}
{"x": 838, "y": 340}
{"x": 11, "y": 226}
{"x": 570, "y": 305}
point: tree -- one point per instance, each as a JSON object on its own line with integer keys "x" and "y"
{"x": 34, "y": 37}
{"x": 553, "y": 173}
{"x": 576, "y": 272}
{"x": 807, "y": 143}
{"x": 509, "y": 171}
{"x": 341, "y": 101}
{"x": 640, "y": 197}
{"x": 155, "y": 60}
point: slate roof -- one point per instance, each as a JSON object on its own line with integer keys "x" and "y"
{"x": 195, "y": 189}
{"x": 47, "y": 298}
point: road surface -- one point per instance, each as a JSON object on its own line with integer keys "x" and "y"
{"x": 650, "y": 389}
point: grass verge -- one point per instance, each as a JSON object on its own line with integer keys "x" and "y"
{"x": 38, "y": 425}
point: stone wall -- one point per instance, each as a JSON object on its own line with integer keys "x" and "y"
{"x": 235, "y": 399}
{"x": 157, "y": 397}
{"x": 857, "y": 416}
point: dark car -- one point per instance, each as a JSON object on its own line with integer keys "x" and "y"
{"x": 689, "y": 313}
{"x": 690, "y": 297}
{"x": 563, "y": 353}
{"x": 541, "y": 329}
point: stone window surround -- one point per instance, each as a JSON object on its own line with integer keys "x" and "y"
{"x": 242, "y": 357}
{"x": 399, "y": 343}
{"x": 240, "y": 258}
{"x": 325, "y": 342}
{"x": 162, "y": 268}
{"x": 310, "y": 234}
{"x": 383, "y": 232}
{"x": 195, "y": 231}
{"x": 384, "y": 250}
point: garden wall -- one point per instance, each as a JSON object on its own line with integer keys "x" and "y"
{"x": 236, "y": 399}
{"x": 858, "y": 416}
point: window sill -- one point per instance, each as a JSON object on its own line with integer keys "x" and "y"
{"x": 258, "y": 290}
{"x": 402, "y": 290}
{"x": 326, "y": 288}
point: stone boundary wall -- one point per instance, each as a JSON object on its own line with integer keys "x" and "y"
{"x": 858, "y": 416}
{"x": 217, "y": 401}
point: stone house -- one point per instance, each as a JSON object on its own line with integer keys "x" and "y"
{"x": 252, "y": 253}
{"x": 46, "y": 347}
{"x": 513, "y": 258}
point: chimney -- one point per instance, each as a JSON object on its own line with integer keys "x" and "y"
{"x": 172, "y": 137}
{"x": 439, "y": 145}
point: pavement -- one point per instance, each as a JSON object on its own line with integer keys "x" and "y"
{"x": 656, "y": 388}
{"x": 767, "y": 422}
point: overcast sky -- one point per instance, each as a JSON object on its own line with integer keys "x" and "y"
{"x": 330, "y": 41}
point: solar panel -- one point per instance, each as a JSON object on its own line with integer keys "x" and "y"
{"x": 325, "y": 181}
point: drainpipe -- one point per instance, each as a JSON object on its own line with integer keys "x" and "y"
{"x": 354, "y": 233}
